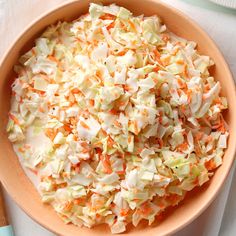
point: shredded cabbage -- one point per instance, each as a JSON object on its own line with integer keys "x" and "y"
{"x": 130, "y": 117}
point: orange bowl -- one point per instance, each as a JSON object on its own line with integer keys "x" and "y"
{"x": 22, "y": 190}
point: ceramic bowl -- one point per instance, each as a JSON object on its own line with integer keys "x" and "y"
{"x": 22, "y": 190}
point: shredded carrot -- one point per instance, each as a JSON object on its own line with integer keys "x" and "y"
{"x": 99, "y": 151}
{"x": 140, "y": 150}
{"x": 145, "y": 112}
{"x": 33, "y": 171}
{"x": 156, "y": 80}
{"x": 158, "y": 56}
{"x": 146, "y": 210}
{"x": 21, "y": 149}
{"x": 198, "y": 150}
{"x": 136, "y": 139}
{"x": 189, "y": 95}
{"x": 210, "y": 165}
{"x": 185, "y": 72}
{"x": 180, "y": 62}
{"x": 33, "y": 51}
{"x": 75, "y": 91}
{"x": 85, "y": 150}
{"x": 222, "y": 128}
{"x": 173, "y": 198}
{"x": 132, "y": 25}
{"x": 110, "y": 26}
{"x": 160, "y": 142}
{"x": 165, "y": 37}
{"x": 71, "y": 98}
{"x": 129, "y": 139}
{"x": 152, "y": 90}
{"x": 175, "y": 51}
{"x": 183, "y": 108}
{"x": 136, "y": 131}
{"x": 113, "y": 111}
{"x": 50, "y": 133}
{"x": 121, "y": 103}
{"x": 110, "y": 142}
{"x": 116, "y": 123}
{"x": 107, "y": 16}
{"x": 126, "y": 87}
{"x": 161, "y": 205}
{"x": 122, "y": 171}
{"x": 124, "y": 212}
{"x": 27, "y": 146}
{"x": 73, "y": 121}
{"x": 45, "y": 77}
{"x": 16, "y": 121}
{"x": 207, "y": 87}
{"x": 84, "y": 144}
{"x": 182, "y": 147}
{"x": 64, "y": 174}
{"x": 52, "y": 58}
{"x": 181, "y": 83}
{"x": 83, "y": 124}
{"x": 156, "y": 69}
{"x": 78, "y": 40}
{"x": 166, "y": 60}
{"x": 104, "y": 132}
{"x": 121, "y": 53}
{"x": 199, "y": 136}
{"x": 62, "y": 185}
{"x": 196, "y": 181}
{"x": 209, "y": 139}
{"x": 106, "y": 163}
{"x": 91, "y": 102}
{"x": 41, "y": 109}
{"x": 77, "y": 168}
{"x": 67, "y": 128}
{"x": 68, "y": 206}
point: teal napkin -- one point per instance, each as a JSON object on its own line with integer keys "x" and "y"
{"x": 6, "y": 231}
{"x": 211, "y": 6}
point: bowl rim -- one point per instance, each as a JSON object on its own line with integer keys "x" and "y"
{"x": 211, "y": 197}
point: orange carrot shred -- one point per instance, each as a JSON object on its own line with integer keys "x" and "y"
{"x": 83, "y": 124}
{"x": 210, "y": 165}
{"x": 16, "y": 121}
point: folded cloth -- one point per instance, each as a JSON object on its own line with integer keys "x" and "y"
{"x": 6, "y": 231}
{"x": 226, "y": 3}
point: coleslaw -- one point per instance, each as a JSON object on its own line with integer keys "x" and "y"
{"x": 128, "y": 115}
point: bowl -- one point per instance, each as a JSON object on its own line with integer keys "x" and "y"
{"x": 22, "y": 190}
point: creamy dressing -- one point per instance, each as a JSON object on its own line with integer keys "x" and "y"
{"x": 37, "y": 141}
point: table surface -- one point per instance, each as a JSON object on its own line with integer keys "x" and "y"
{"x": 220, "y": 217}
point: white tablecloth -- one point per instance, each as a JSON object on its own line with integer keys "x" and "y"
{"x": 220, "y": 23}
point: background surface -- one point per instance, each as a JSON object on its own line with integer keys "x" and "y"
{"x": 220, "y": 23}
